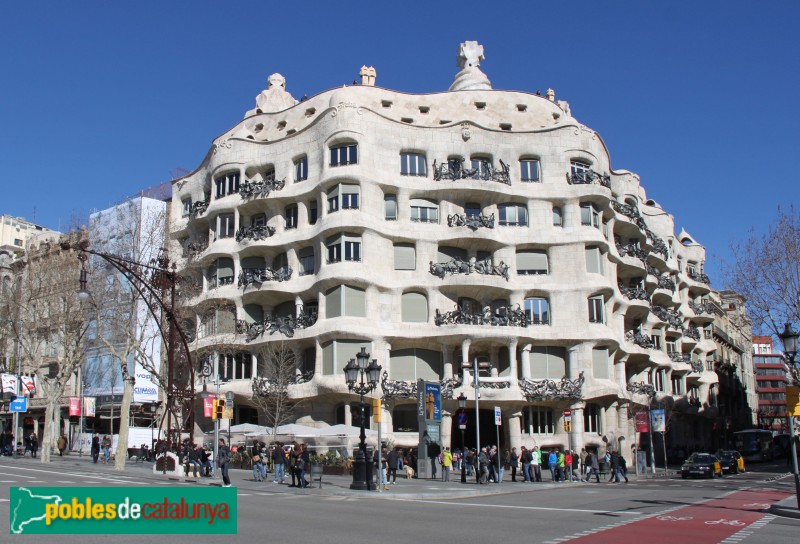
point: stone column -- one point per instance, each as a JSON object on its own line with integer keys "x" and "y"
{"x": 446, "y": 429}
{"x": 447, "y": 359}
{"x": 514, "y": 430}
{"x": 512, "y": 361}
{"x": 348, "y": 414}
{"x": 620, "y": 374}
{"x": 494, "y": 354}
{"x": 465, "y": 344}
{"x": 612, "y": 419}
{"x": 623, "y": 431}
{"x": 526, "y": 362}
{"x": 572, "y": 362}
{"x": 577, "y": 434}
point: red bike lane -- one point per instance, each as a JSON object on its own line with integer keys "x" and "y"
{"x": 706, "y": 523}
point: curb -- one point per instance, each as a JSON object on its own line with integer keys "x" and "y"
{"x": 785, "y": 511}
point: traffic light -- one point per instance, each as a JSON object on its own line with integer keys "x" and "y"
{"x": 376, "y": 410}
{"x": 218, "y": 409}
{"x": 567, "y": 426}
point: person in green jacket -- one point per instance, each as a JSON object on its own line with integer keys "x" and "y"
{"x": 561, "y": 466}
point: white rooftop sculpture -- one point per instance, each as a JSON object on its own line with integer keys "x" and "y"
{"x": 274, "y": 97}
{"x": 470, "y": 55}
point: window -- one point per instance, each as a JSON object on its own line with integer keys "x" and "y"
{"x": 348, "y": 244}
{"x": 344, "y": 197}
{"x": 600, "y": 364}
{"x": 345, "y": 300}
{"x": 672, "y": 345}
{"x": 677, "y": 384}
{"x": 236, "y": 367}
{"x": 227, "y": 184}
{"x": 344, "y": 154}
{"x": 411, "y": 364}
{"x": 301, "y": 168}
{"x": 656, "y": 340}
{"x": 258, "y": 220}
{"x": 306, "y": 258}
{"x": 693, "y": 392}
{"x": 594, "y": 260}
{"x": 558, "y": 218}
{"x": 658, "y": 380}
{"x": 580, "y": 170}
{"x": 390, "y": 207}
{"x": 336, "y": 354}
{"x": 540, "y": 420}
{"x": 312, "y": 212}
{"x": 532, "y": 262}
{"x": 405, "y": 257}
{"x": 291, "y": 216}
{"x": 529, "y": 170}
{"x": 414, "y": 308}
{"x": 596, "y": 309}
{"x": 225, "y": 226}
{"x": 590, "y": 215}
{"x": 187, "y": 206}
{"x": 281, "y": 262}
{"x": 424, "y": 211}
{"x": 412, "y": 164}
{"x": 537, "y": 310}
{"x": 217, "y": 321}
{"x": 591, "y": 419}
{"x": 513, "y": 215}
{"x": 481, "y": 166}
{"x": 548, "y": 362}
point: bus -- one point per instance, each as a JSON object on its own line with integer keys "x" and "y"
{"x": 755, "y": 445}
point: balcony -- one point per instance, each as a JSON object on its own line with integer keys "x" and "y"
{"x": 505, "y": 316}
{"x": 537, "y": 390}
{"x": 454, "y": 170}
{"x": 195, "y": 249}
{"x": 460, "y": 266}
{"x": 634, "y": 293}
{"x": 255, "y": 233}
{"x": 198, "y": 208}
{"x": 698, "y": 276}
{"x": 400, "y": 389}
{"x": 639, "y": 339}
{"x": 257, "y": 276}
{"x": 631, "y": 249}
{"x": 473, "y": 222}
{"x": 692, "y": 332}
{"x": 284, "y": 325}
{"x": 589, "y": 177}
{"x": 671, "y": 317}
{"x": 261, "y": 189}
{"x": 678, "y": 357}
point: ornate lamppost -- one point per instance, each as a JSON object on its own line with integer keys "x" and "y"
{"x": 355, "y": 371}
{"x": 156, "y": 282}
{"x": 789, "y": 339}
{"x": 462, "y": 424}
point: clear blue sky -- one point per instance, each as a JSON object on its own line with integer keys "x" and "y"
{"x": 102, "y": 99}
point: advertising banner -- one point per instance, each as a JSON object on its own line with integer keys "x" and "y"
{"x": 89, "y": 405}
{"x": 433, "y": 401}
{"x": 144, "y": 390}
{"x": 75, "y": 406}
{"x": 9, "y": 384}
{"x": 208, "y": 405}
{"x": 658, "y": 421}
{"x": 28, "y": 384}
{"x": 123, "y": 510}
{"x": 641, "y": 422}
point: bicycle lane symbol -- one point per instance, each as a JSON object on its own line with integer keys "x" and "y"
{"x": 674, "y": 518}
{"x": 723, "y": 521}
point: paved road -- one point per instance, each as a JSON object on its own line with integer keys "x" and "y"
{"x": 666, "y": 510}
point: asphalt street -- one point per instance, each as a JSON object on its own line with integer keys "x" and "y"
{"x": 730, "y": 510}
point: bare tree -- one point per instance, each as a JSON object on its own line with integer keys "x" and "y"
{"x": 766, "y": 270}
{"x": 277, "y": 370}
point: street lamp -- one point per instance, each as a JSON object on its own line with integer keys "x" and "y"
{"x": 356, "y": 370}
{"x": 789, "y": 339}
{"x": 462, "y": 405}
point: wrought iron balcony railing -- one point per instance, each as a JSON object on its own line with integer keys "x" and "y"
{"x": 473, "y": 222}
{"x": 284, "y": 325}
{"x": 261, "y": 189}
{"x": 665, "y": 282}
{"x": 671, "y": 317}
{"x": 589, "y": 177}
{"x": 702, "y": 308}
{"x": 641, "y": 340}
{"x": 198, "y": 208}
{"x": 196, "y": 248}
{"x": 634, "y": 293}
{"x": 261, "y": 232}
{"x": 692, "y": 332}
{"x": 213, "y": 283}
{"x": 678, "y": 357}
{"x": 400, "y": 389}
{"x": 505, "y": 316}
{"x": 697, "y": 366}
{"x": 631, "y": 249}
{"x": 460, "y": 266}
{"x": 641, "y": 388}
{"x": 257, "y": 276}
{"x": 265, "y": 387}
{"x": 454, "y": 170}
{"x": 535, "y": 390}
{"x": 699, "y": 276}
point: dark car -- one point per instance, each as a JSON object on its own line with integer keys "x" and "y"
{"x": 701, "y": 464}
{"x": 731, "y": 461}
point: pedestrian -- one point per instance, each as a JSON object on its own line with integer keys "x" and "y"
{"x": 299, "y": 466}
{"x": 193, "y": 460}
{"x": 447, "y": 463}
{"x": 492, "y": 464}
{"x": 576, "y": 466}
{"x": 95, "y": 447}
{"x": 392, "y": 463}
{"x": 294, "y": 454}
{"x": 483, "y": 464}
{"x": 513, "y": 461}
{"x": 594, "y": 467}
{"x": 223, "y": 461}
{"x": 552, "y": 463}
{"x": 62, "y": 445}
{"x": 34, "y": 444}
{"x": 568, "y": 466}
{"x": 257, "y": 462}
{"x": 279, "y": 460}
{"x": 584, "y": 468}
{"x": 106, "y": 447}
{"x": 622, "y": 468}
{"x": 502, "y": 461}
{"x": 536, "y": 465}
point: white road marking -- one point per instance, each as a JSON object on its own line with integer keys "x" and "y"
{"x": 516, "y": 507}
{"x": 17, "y": 475}
{"x": 79, "y": 476}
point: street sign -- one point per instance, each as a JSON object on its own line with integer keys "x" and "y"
{"x": 567, "y": 415}
{"x": 793, "y": 400}
{"x": 19, "y": 404}
{"x": 461, "y": 419}
{"x": 498, "y": 417}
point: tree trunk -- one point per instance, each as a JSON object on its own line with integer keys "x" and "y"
{"x": 50, "y": 409}
{"x": 124, "y": 418}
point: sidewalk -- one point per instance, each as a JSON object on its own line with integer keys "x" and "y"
{"x": 413, "y": 489}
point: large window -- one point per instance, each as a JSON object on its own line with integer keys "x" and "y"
{"x": 424, "y": 211}
{"x": 227, "y": 184}
{"x": 532, "y": 262}
{"x": 529, "y": 170}
{"x": 301, "y": 168}
{"x": 414, "y": 308}
{"x": 513, "y": 215}
{"x": 344, "y": 246}
{"x": 291, "y": 216}
{"x": 677, "y": 384}
{"x": 390, "y": 207}
{"x": 220, "y": 273}
{"x": 344, "y": 197}
{"x": 217, "y": 321}
{"x": 537, "y": 310}
{"x": 597, "y": 309}
{"x": 590, "y": 215}
{"x": 558, "y": 218}
{"x": 225, "y": 226}
{"x": 235, "y": 367}
{"x": 345, "y": 300}
{"x": 336, "y": 354}
{"x": 344, "y": 154}
{"x": 548, "y": 362}
{"x": 306, "y": 258}
{"x": 405, "y": 257}
{"x": 411, "y": 364}
{"x": 481, "y": 167}
{"x": 592, "y": 419}
{"x": 187, "y": 206}
{"x": 580, "y": 170}
{"x": 594, "y": 260}
{"x": 312, "y": 212}
{"x": 600, "y": 364}
{"x": 412, "y": 164}
{"x": 539, "y": 420}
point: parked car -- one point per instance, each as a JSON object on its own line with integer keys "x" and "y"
{"x": 731, "y": 460}
{"x": 701, "y": 464}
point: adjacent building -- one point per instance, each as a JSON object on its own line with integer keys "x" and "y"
{"x": 772, "y": 375}
{"x": 471, "y": 231}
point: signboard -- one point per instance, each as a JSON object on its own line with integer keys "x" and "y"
{"x": 657, "y": 417}
{"x": 640, "y": 420}
{"x": 9, "y": 384}
{"x": 498, "y": 416}
{"x": 75, "y": 406}
{"x": 144, "y": 390}
{"x": 567, "y": 415}
{"x": 20, "y": 404}
{"x": 461, "y": 419}
{"x": 28, "y": 384}
{"x": 433, "y": 401}
{"x": 429, "y": 416}
{"x": 89, "y": 404}
{"x": 793, "y": 400}
{"x": 208, "y": 405}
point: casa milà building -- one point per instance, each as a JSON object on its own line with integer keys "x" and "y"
{"x": 447, "y": 233}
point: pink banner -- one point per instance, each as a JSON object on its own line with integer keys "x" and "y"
{"x": 641, "y": 422}
{"x": 75, "y": 406}
{"x": 208, "y": 405}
